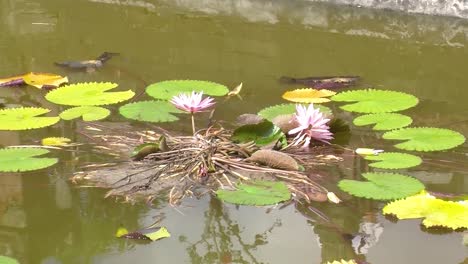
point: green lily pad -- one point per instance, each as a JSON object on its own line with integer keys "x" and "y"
{"x": 382, "y": 186}
{"x": 271, "y": 112}
{"x": 88, "y": 113}
{"x": 167, "y": 89}
{"x": 262, "y": 133}
{"x": 150, "y": 111}
{"x": 425, "y": 138}
{"x": 393, "y": 160}
{"x": 375, "y": 101}
{"x": 23, "y": 118}
{"x": 383, "y": 121}
{"x": 93, "y": 93}
{"x": 256, "y": 193}
{"x": 24, "y": 159}
{"x": 8, "y": 260}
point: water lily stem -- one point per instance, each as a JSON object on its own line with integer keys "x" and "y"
{"x": 193, "y": 124}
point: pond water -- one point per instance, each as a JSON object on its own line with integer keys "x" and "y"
{"x": 44, "y": 219}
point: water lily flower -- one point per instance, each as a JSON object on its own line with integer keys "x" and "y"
{"x": 368, "y": 151}
{"x": 192, "y": 103}
{"x": 333, "y": 198}
{"x": 311, "y": 125}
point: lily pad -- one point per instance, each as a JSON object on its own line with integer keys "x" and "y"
{"x": 393, "y": 160}
{"x": 88, "y": 113}
{"x": 167, "y": 89}
{"x": 23, "y": 118}
{"x": 93, "y": 93}
{"x": 256, "y": 193}
{"x": 383, "y": 121}
{"x": 271, "y": 112}
{"x": 150, "y": 111}
{"x": 24, "y": 159}
{"x": 382, "y": 186}
{"x": 8, "y": 260}
{"x": 436, "y": 212}
{"x": 308, "y": 95}
{"x": 375, "y": 101}
{"x": 262, "y": 133}
{"x": 425, "y": 138}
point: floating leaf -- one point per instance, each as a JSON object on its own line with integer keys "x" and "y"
{"x": 24, "y": 159}
{"x": 384, "y": 121}
{"x": 271, "y": 112}
{"x": 88, "y": 113}
{"x": 44, "y": 80}
{"x": 382, "y": 186}
{"x": 8, "y": 260}
{"x": 94, "y": 93}
{"x": 425, "y": 138}
{"x": 256, "y": 193}
{"x": 323, "y": 82}
{"x": 393, "y": 160}
{"x": 308, "y": 95}
{"x": 167, "y": 89}
{"x": 436, "y": 212}
{"x": 342, "y": 262}
{"x": 375, "y": 101}
{"x": 262, "y": 133}
{"x": 274, "y": 159}
{"x": 150, "y": 111}
{"x": 152, "y": 234}
{"x": 23, "y": 118}
{"x": 55, "y": 141}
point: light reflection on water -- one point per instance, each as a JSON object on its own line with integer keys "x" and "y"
{"x": 44, "y": 220}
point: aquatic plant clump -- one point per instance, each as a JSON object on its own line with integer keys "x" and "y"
{"x": 192, "y": 165}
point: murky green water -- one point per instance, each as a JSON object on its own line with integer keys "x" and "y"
{"x": 43, "y": 219}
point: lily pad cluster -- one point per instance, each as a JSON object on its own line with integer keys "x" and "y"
{"x": 87, "y": 99}
{"x": 160, "y": 110}
{"x": 379, "y": 106}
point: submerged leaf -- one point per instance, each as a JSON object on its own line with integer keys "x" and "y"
{"x": 256, "y": 193}
{"x": 382, "y": 186}
{"x": 167, "y": 89}
{"x": 24, "y": 159}
{"x": 152, "y": 234}
{"x": 394, "y": 160}
{"x": 93, "y": 93}
{"x": 436, "y": 212}
{"x": 271, "y": 112}
{"x": 274, "y": 159}
{"x": 88, "y": 113}
{"x": 425, "y": 138}
{"x": 375, "y": 101}
{"x": 150, "y": 111}
{"x": 44, "y": 80}
{"x": 383, "y": 121}
{"x": 25, "y": 118}
{"x": 308, "y": 95}
{"x": 262, "y": 133}
{"x": 55, "y": 141}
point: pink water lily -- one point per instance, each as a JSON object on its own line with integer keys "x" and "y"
{"x": 192, "y": 103}
{"x": 311, "y": 125}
